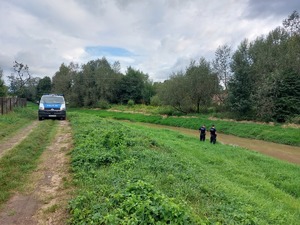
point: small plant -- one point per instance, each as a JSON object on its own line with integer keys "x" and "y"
{"x": 140, "y": 203}
{"x": 52, "y": 208}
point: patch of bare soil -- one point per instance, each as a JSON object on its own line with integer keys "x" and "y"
{"x": 11, "y": 142}
{"x": 279, "y": 151}
{"x": 45, "y": 201}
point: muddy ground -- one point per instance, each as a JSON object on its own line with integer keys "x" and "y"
{"x": 45, "y": 200}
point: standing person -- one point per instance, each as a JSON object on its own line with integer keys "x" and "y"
{"x": 202, "y": 131}
{"x": 213, "y": 134}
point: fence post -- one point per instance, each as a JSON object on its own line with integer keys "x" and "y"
{"x": 2, "y": 105}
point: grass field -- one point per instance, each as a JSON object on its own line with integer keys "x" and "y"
{"x": 273, "y": 133}
{"x": 20, "y": 117}
{"x": 129, "y": 174}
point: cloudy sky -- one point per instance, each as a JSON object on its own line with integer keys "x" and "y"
{"x": 157, "y": 37}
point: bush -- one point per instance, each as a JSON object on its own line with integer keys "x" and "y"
{"x": 103, "y": 104}
{"x": 155, "y": 101}
{"x": 130, "y": 103}
{"x": 167, "y": 110}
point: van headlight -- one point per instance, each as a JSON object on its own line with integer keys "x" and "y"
{"x": 63, "y": 107}
{"x": 41, "y": 107}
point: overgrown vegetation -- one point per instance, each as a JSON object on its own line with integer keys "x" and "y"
{"x": 273, "y": 133}
{"x": 137, "y": 175}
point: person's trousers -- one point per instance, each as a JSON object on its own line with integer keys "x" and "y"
{"x": 202, "y": 137}
{"x": 213, "y": 139}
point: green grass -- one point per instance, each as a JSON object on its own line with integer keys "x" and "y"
{"x": 19, "y": 162}
{"x": 17, "y": 119}
{"x": 272, "y": 133}
{"x": 131, "y": 174}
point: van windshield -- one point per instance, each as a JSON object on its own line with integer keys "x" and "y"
{"x": 52, "y": 99}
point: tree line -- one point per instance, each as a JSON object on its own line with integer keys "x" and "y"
{"x": 260, "y": 80}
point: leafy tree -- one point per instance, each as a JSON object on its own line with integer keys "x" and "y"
{"x": 30, "y": 89}
{"x": 292, "y": 23}
{"x": 267, "y": 55}
{"x": 148, "y": 92}
{"x": 79, "y": 89}
{"x": 173, "y": 92}
{"x": 3, "y": 88}
{"x": 242, "y": 84}
{"x": 44, "y": 86}
{"x": 62, "y": 81}
{"x": 97, "y": 81}
{"x": 106, "y": 78}
{"x": 134, "y": 86}
{"x": 201, "y": 83}
{"x": 287, "y": 103}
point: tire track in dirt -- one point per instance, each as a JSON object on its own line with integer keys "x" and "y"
{"x": 45, "y": 201}
{"x": 11, "y": 142}
{"x": 279, "y": 151}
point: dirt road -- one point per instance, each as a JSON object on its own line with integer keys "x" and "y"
{"x": 279, "y": 151}
{"x": 47, "y": 194}
{"x": 10, "y": 142}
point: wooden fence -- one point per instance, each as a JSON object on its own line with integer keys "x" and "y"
{"x": 8, "y": 104}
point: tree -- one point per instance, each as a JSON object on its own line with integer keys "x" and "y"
{"x": 287, "y": 104}
{"x": 134, "y": 86}
{"x": 201, "y": 83}
{"x": 97, "y": 81}
{"x": 221, "y": 64}
{"x": 30, "y": 89}
{"x": 62, "y": 81}
{"x": 43, "y": 87}
{"x": 292, "y": 23}
{"x": 267, "y": 55}
{"x": 241, "y": 85}
{"x": 19, "y": 80}
{"x": 173, "y": 92}
{"x": 3, "y": 88}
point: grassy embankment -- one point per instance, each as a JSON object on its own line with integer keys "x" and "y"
{"x": 272, "y": 133}
{"x": 130, "y": 174}
{"x": 19, "y": 162}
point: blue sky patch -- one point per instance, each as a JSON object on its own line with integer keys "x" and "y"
{"x": 107, "y": 51}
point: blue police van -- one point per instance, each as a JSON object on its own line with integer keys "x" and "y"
{"x": 52, "y": 106}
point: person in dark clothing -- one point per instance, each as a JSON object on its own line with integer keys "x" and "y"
{"x": 202, "y": 131}
{"x": 213, "y": 134}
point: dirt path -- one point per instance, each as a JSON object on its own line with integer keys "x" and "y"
{"x": 283, "y": 152}
{"x": 46, "y": 197}
{"x": 9, "y": 143}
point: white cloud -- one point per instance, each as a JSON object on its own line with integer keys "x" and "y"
{"x": 163, "y": 36}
